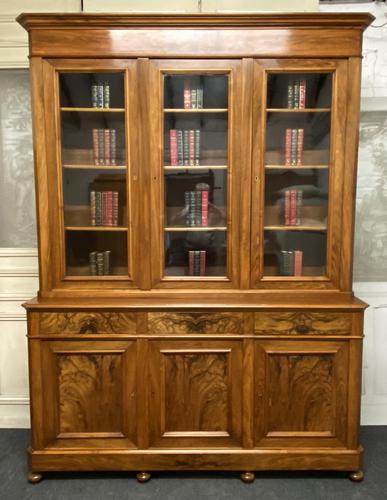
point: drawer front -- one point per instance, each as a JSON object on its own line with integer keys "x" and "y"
{"x": 302, "y": 323}
{"x": 161, "y": 323}
{"x": 90, "y": 323}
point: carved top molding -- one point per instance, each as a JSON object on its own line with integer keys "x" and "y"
{"x": 304, "y": 19}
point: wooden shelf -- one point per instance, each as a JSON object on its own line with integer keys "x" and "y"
{"x": 295, "y": 167}
{"x": 195, "y": 167}
{"x": 317, "y": 227}
{"x": 95, "y": 167}
{"x": 95, "y": 110}
{"x": 298, "y": 110}
{"x": 194, "y": 228}
{"x": 96, "y": 228}
{"x": 196, "y": 110}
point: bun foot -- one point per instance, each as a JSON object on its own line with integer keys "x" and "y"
{"x": 357, "y": 476}
{"x": 143, "y": 477}
{"x": 34, "y": 477}
{"x": 247, "y": 477}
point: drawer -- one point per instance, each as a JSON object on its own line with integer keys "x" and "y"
{"x": 74, "y": 323}
{"x": 162, "y": 323}
{"x": 302, "y": 323}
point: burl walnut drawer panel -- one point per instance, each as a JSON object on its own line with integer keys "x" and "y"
{"x": 87, "y": 323}
{"x": 164, "y": 323}
{"x": 302, "y": 323}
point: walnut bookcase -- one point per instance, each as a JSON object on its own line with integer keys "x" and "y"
{"x": 195, "y": 179}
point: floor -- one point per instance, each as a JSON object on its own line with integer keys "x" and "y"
{"x": 198, "y": 486}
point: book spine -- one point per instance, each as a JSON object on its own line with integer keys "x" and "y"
{"x": 186, "y": 147}
{"x": 290, "y": 95}
{"x": 293, "y": 207}
{"x": 173, "y": 146}
{"x": 92, "y": 209}
{"x": 197, "y": 146}
{"x": 99, "y": 263}
{"x": 297, "y": 263}
{"x": 199, "y": 98}
{"x": 115, "y": 208}
{"x": 204, "y": 208}
{"x": 191, "y": 262}
{"x": 197, "y": 263}
{"x": 288, "y": 146}
{"x": 101, "y": 146}
{"x": 198, "y": 208}
{"x": 107, "y": 146}
{"x": 98, "y": 208}
{"x": 106, "y": 262}
{"x": 302, "y": 94}
{"x": 106, "y": 95}
{"x": 194, "y": 99}
{"x": 300, "y": 145}
{"x": 293, "y": 150}
{"x": 287, "y": 208}
{"x": 94, "y": 95}
{"x": 109, "y": 208}
{"x": 191, "y": 147}
{"x": 202, "y": 268}
{"x": 299, "y": 207}
{"x": 100, "y": 95}
{"x": 113, "y": 146}
{"x": 192, "y": 208}
{"x": 95, "y": 146}
{"x": 187, "y": 94}
{"x": 285, "y": 263}
{"x": 93, "y": 263}
{"x": 296, "y": 94}
{"x": 180, "y": 149}
{"x": 291, "y": 263}
{"x": 187, "y": 208}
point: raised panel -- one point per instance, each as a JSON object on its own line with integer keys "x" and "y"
{"x": 301, "y": 393}
{"x": 195, "y": 393}
{"x": 87, "y": 323}
{"x": 194, "y": 322}
{"x": 302, "y": 323}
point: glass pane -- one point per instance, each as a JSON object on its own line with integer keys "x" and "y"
{"x": 195, "y": 174}
{"x": 94, "y": 173}
{"x": 297, "y": 160}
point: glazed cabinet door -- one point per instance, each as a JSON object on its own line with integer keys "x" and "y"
{"x": 195, "y": 393}
{"x": 90, "y": 180}
{"x": 301, "y": 393}
{"x": 84, "y": 394}
{"x": 195, "y": 137}
{"x": 299, "y": 126}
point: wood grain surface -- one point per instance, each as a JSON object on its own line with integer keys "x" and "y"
{"x": 168, "y": 322}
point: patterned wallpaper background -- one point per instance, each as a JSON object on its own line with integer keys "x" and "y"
{"x": 17, "y": 208}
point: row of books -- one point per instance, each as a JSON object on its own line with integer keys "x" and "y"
{"x": 105, "y": 146}
{"x": 100, "y": 95}
{"x": 184, "y": 147}
{"x": 193, "y": 94}
{"x": 291, "y": 263}
{"x": 294, "y": 146}
{"x": 99, "y": 263}
{"x": 292, "y": 207}
{"x": 297, "y": 94}
{"x": 104, "y": 208}
{"x": 196, "y": 208}
{"x": 196, "y": 262}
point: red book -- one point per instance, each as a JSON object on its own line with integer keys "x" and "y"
{"x": 191, "y": 135}
{"x": 187, "y": 94}
{"x": 115, "y": 208}
{"x": 293, "y": 207}
{"x": 297, "y": 262}
{"x": 107, "y": 147}
{"x": 288, "y": 146}
{"x": 173, "y": 146}
{"x": 95, "y": 146}
{"x": 109, "y": 208}
{"x": 202, "y": 263}
{"x": 113, "y": 146}
{"x": 191, "y": 262}
{"x": 205, "y": 208}
{"x": 287, "y": 208}
{"x": 302, "y": 94}
{"x": 300, "y": 145}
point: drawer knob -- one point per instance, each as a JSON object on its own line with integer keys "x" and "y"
{"x": 88, "y": 325}
{"x": 302, "y": 329}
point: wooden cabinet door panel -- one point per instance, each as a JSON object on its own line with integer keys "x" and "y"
{"x": 195, "y": 396}
{"x": 301, "y": 391}
{"x": 89, "y": 393}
